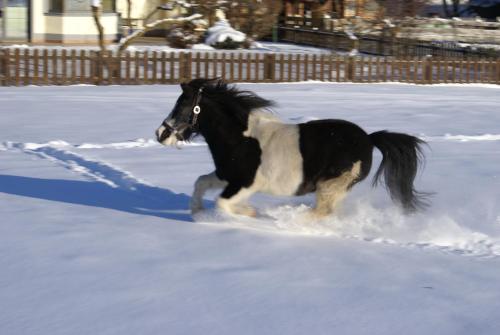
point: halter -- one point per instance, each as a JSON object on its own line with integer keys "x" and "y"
{"x": 196, "y": 108}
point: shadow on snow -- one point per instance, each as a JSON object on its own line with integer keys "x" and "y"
{"x": 143, "y": 200}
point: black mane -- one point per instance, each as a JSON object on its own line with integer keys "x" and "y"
{"x": 237, "y": 102}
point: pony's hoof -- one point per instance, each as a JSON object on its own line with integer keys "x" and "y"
{"x": 246, "y": 211}
{"x": 236, "y": 209}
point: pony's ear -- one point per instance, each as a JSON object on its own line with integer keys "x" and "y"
{"x": 186, "y": 88}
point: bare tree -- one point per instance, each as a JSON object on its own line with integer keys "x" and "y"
{"x": 253, "y": 17}
{"x": 256, "y": 18}
{"x": 129, "y": 14}
{"x": 96, "y": 13}
{"x": 402, "y": 8}
{"x": 150, "y": 26}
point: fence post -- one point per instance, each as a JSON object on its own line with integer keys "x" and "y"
{"x": 96, "y": 67}
{"x": 498, "y": 71}
{"x": 188, "y": 57}
{"x": 270, "y": 67}
{"x": 3, "y": 67}
{"x": 427, "y": 75}
{"x": 351, "y": 68}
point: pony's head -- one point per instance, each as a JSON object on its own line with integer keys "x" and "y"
{"x": 203, "y": 100}
{"x": 182, "y": 122}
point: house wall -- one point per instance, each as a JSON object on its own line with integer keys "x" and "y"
{"x": 367, "y": 9}
{"x": 141, "y": 9}
{"x": 73, "y": 27}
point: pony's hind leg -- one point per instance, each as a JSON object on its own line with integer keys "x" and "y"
{"x": 233, "y": 201}
{"x": 331, "y": 192}
{"x": 202, "y": 184}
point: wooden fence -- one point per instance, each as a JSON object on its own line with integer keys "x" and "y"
{"x": 61, "y": 67}
{"x": 380, "y": 45}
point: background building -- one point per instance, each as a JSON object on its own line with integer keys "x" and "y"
{"x": 55, "y": 21}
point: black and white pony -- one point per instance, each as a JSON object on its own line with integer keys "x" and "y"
{"x": 254, "y": 151}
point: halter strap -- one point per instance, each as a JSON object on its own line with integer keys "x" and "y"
{"x": 196, "y": 107}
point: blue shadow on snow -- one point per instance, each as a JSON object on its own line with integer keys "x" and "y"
{"x": 143, "y": 200}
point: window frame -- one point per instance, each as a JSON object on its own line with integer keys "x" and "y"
{"x": 59, "y": 7}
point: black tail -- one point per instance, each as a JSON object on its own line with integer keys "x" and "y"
{"x": 401, "y": 157}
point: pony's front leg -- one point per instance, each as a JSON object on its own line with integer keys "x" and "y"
{"x": 232, "y": 201}
{"x": 202, "y": 184}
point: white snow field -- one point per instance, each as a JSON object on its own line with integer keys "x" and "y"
{"x": 96, "y": 238}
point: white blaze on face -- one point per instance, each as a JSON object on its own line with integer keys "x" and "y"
{"x": 170, "y": 140}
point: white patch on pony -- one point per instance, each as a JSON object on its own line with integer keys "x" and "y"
{"x": 202, "y": 184}
{"x": 236, "y": 205}
{"x": 332, "y": 191}
{"x": 281, "y": 168}
{"x": 160, "y": 131}
{"x": 171, "y": 140}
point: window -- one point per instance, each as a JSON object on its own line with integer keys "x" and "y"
{"x": 56, "y": 6}
{"x": 108, "y": 5}
{"x": 17, "y": 3}
{"x": 65, "y": 6}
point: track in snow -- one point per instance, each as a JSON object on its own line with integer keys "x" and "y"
{"x": 359, "y": 220}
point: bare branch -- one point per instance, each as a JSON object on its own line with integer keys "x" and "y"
{"x": 150, "y": 26}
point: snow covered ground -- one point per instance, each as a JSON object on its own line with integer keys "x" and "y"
{"x": 95, "y": 236}
{"x": 258, "y": 47}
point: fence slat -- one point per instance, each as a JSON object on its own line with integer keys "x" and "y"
{"x": 369, "y": 69}
{"x": 223, "y": 66}
{"x": 154, "y": 67}
{"x": 330, "y": 68}
{"x": 206, "y": 59}
{"x": 36, "y": 64}
{"x": 415, "y": 70}
{"x": 282, "y": 68}
{"x": 73, "y": 66}
{"x": 337, "y": 69}
{"x": 82, "y": 66}
{"x": 240, "y": 67}
{"x": 64, "y": 68}
{"x": 55, "y": 68}
{"x": 188, "y": 75}
{"x": 136, "y": 67}
{"x": 361, "y": 70}
{"x": 257, "y": 67}
{"x": 197, "y": 60}
{"x": 145, "y": 67}
{"x": 17, "y": 68}
{"x": 45, "y": 67}
{"x": 26, "y": 59}
{"x": 127, "y": 67}
{"x": 163, "y": 62}
{"x": 171, "y": 58}
{"x": 498, "y": 72}
{"x": 306, "y": 67}
{"x": 231, "y": 67}
{"x": 215, "y": 67}
{"x": 461, "y": 71}
{"x": 297, "y": 67}
{"x": 6, "y": 67}
{"x": 314, "y": 66}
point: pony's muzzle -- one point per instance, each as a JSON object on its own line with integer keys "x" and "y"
{"x": 163, "y": 133}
